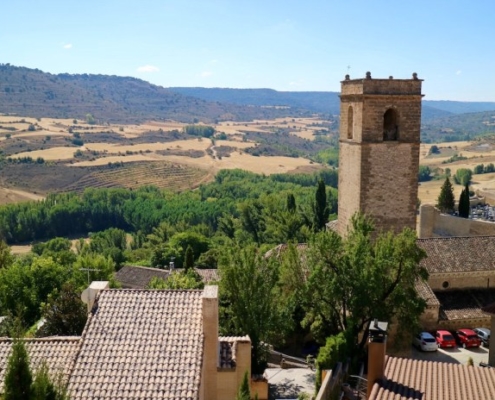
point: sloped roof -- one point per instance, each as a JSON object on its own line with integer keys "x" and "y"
{"x": 58, "y": 352}
{"x": 463, "y": 304}
{"x": 141, "y": 344}
{"x": 426, "y": 293}
{"x": 208, "y": 275}
{"x": 136, "y": 277}
{"x": 407, "y": 379}
{"x": 458, "y": 254}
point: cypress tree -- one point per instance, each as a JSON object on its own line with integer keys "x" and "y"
{"x": 445, "y": 201}
{"x": 43, "y": 388}
{"x": 291, "y": 203}
{"x": 243, "y": 393}
{"x": 320, "y": 208}
{"x": 18, "y": 378}
{"x": 189, "y": 259}
{"x": 464, "y": 205}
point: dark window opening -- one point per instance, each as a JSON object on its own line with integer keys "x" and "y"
{"x": 350, "y": 123}
{"x": 390, "y": 125}
{"x": 445, "y": 285}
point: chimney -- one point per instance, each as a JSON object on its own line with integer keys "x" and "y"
{"x": 88, "y": 296}
{"x": 377, "y": 343}
{"x": 210, "y": 345}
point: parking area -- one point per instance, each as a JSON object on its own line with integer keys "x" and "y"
{"x": 457, "y": 355}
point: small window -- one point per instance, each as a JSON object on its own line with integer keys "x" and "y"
{"x": 350, "y": 123}
{"x": 445, "y": 285}
{"x": 390, "y": 125}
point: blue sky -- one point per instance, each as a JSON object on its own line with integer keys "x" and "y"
{"x": 280, "y": 44}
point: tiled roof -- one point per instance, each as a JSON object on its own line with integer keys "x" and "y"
{"x": 332, "y": 225}
{"x": 462, "y": 304}
{"x": 407, "y": 379}
{"x": 208, "y": 275}
{"x": 425, "y": 292}
{"x": 141, "y": 344}
{"x": 489, "y": 309}
{"x": 458, "y": 254}
{"x": 58, "y": 352}
{"x": 136, "y": 277}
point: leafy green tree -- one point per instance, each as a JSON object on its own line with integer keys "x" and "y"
{"x": 64, "y": 313}
{"x": 18, "y": 377}
{"x": 178, "y": 280}
{"x": 6, "y": 258}
{"x": 434, "y": 150}
{"x": 489, "y": 168}
{"x": 24, "y": 286}
{"x": 244, "y": 393}
{"x": 463, "y": 176}
{"x": 252, "y": 219}
{"x": 182, "y": 240}
{"x": 90, "y": 120}
{"x": 320, "y": 207}
{"x": 248, "y": 287}
{"x": 189, "y": 259}
{"x": 479, "y": 169}
{"x": 445, "y": 201}
{"x": 42, "y": 387}
{"x": 353, "y": 280}
{"x": 464, "y": 204}
{"x": 424, "y": 173}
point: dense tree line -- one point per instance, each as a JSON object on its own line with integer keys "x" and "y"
{"x": 144, "y": 209}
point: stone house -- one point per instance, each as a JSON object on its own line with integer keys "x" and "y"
{"x": 145, "y": 344}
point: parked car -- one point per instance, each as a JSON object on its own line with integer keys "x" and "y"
{"x": 425, "y": 342}
{"x": 467, "y": 338}
{"x": 484, "y": 335}
{"x": 445, "y": 339}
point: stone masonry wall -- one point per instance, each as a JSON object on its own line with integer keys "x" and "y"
{"x": 389, "y": 189}
{"x": 432, "y": 223}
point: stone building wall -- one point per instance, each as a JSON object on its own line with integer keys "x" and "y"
{"x": 432, "y": 223}
{"x": 378, "y": 177}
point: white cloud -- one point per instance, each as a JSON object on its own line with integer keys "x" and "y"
{"x": 458, "y": 72}
{"x": 67, "y": 46}
{"x": 148, "y": 68}
{"x": 206, "y": 74}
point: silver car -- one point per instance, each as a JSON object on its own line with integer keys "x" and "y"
{"x": 425, "y": 341}
{"x": 484, "y": 335}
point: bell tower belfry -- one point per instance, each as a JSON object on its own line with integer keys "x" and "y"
{"x": 380, "y": 122}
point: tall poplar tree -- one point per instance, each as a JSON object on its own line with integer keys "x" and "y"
{"x": 445, "y": 201}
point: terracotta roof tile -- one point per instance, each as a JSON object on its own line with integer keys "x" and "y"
{"x": 407, "y": 379}
{"x": 462, "y": 304}
{"x": 58, "y": 352}
{"x": 141, "y": 344}
{"x": 208, "y": 275}
{"x": 426, "y": 293}
{"x": 458, "y": 254}
{"x": 136, "y": 277}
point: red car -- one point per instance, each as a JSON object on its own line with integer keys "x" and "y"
{"x": 445, "y": 339}
{"x": 467, "y": 338}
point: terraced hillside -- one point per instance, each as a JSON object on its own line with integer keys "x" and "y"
{"x": 164, "y": 175}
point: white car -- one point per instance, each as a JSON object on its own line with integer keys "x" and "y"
{"x": 425, "y": 341}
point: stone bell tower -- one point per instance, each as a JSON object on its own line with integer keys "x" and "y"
{"x": 380, "y": 123}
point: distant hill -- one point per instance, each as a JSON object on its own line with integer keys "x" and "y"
{"x": 31, "y": 92}
{"x": 319, "y": 102}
